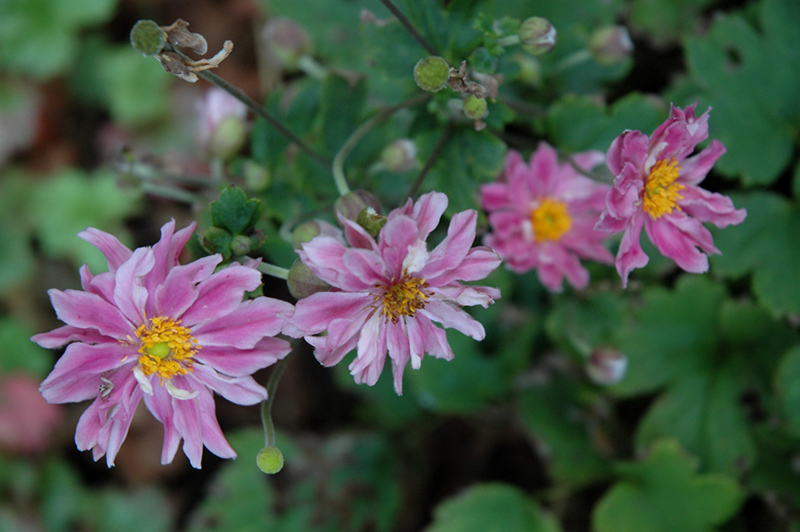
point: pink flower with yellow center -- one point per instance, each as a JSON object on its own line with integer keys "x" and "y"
{"x": 543, "y": 214}
{"x": 656, "y": 187}
{"x": 169, "y": 334}
{"x": 387, "y": 293}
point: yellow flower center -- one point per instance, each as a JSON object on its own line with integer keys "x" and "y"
{"x": 550, "y": 220}
{"x": 166, "y": 348}
{"x": 403, "y": 299}
{"x": 661, "y": 192}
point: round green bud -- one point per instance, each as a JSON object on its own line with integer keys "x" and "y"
{"x": 302, "y": 282}
{"x": 371, "y": 221}
{"x": 352, "y": 203}
{"x": 304, "y": 233}
{"x": 400, "y": 156}
{"x": 241, "y": 245}
{"x": 431, "y": 73}
{"x": 229, "y": 137}
{"x": 475, "y": 108}
{"x": 147, "y": 38}
{"x": 538, "y": 35}
{"x": 611, "y": 44}
{"x": 269, "y": 460}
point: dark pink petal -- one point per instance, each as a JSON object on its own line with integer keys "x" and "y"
{"x": 188, "y": 422}
{"x": 220, "y": 294}
{"x": 244, "y": 362}
{"x": 89, "y": 311}
{"x": 568, "y": 265}
{"x": 116, "y": 252}
{"x": 102, "y": 284}
{"x": 543, "y": 167}
{"x": 587, "y": 160}
{"x": 449, "y": 254}
{"x": 245, "y": 326}
{"x": 371, "y": 352}
{"x": 428, "y": 211}
{"x": 399, "y": 233}
{"x": 313, "y": 314}
{"x": 695, "y": 168}
{"x": 238, "y": 390}
{"x": 178, "y": 292}
{"x": 130, "y": 295}
{"x": 343, "y": 335}
{"x": 452, "y": 317}
{"x": 494, "y": 196}
{"x": 676, "y": 244}
{"x": 76, "y": 375}
{"x": 630, "y": 147}
{"x": 64, "y": 335}
{"x": 711, "y": 207}
{"x": 630, "y": 255}
{"x": 478, "y": 263}
{"x": 366, "y": 268}
{"x": 622, "y": 201}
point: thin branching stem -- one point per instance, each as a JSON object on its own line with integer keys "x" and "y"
{"x": 410, "y": 27}
{"x": 266, "y": 406}
{"x": 358, "y": 134}
{"x": 437, "y": 151}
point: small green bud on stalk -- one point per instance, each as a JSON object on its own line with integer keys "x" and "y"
{"x": 304, "y": 233}
{"x": 302, "y": 282}
{"x": 475, "y": 108}
{"x": 148, "y": 38}
{"x": 218, "y": 240}
{"x": 537, "y": 35}
{"x": 371, "y": 221}
{"x": 241, "y": 245}
{"x": 269, "y": 460}
{"x": 431, "y": 73}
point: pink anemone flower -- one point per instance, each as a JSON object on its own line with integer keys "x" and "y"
{"x": 543, "y": 216}
{"x": 656, "y": 187}
{"x": 170, "y": 334}
{"x": 387, "y": 293}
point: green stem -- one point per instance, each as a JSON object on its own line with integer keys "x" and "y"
{"x": 338, "y": 161}
{"x": 437, "y": 151}
{"x": 274, "y": 271}
{"x": 175, "y": 194}
{"x": 574, "y": 59}
{"x": 410, "y": 27}
{"x": 251, "y": 104}
{"x": 508, "y": 40}
{"x": 266, "y": 406}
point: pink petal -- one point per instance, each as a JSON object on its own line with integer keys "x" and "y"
{"x": 116, "y": 252}
{"x": 213, "y": 438}
{"x": 468, "y": 296}
{"x": 245, "y": 326}
{"x": 630, "y": 254}
{"x": 371, "y": 352}
{"x": 324, "y": 256}
{"x": 428, "y": 211}
{"x": 622, "y": 201}
{"x": 674, "y": 242}
{"x": 543, "y": 167}
{"x": 76, "y": 375}
{"x": 64, "y": 335}
{"x": 399, "y": 233}
{"x": 89, "y": 311}
{"x": 449, "y": 254}
{"x": 478, "y": 263}
{"x": 178, "y": 291}
{"x": 695, "y": 168}
{"x": 130, "y": 295}
{"x": 343, "y": 336}
{"x": 238, "y": 390}
{"x": 494, "y": 196}
{"x": 452, "y": 317}
{"x": 188, "y": 422}
{"x": 436, "y": 343}
{"x": 220, "y": 294}
{"x": 630, "y": 147}
{"x": 313, "y": 314}
{"x": 356, "y": 235}
{"x": 244, "y": 362}
{"x": 711, "y": 207}
{"x": 160, "y": 405}
{"x": 366, "y": 267}
{"x": 397, "y": 343}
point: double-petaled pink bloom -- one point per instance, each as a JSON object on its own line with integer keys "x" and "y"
{"x": 387, "y": 293}
{"x": 543, "y": 216}
{"x": 170, "y": 334}
{"x": 656, "y": 188}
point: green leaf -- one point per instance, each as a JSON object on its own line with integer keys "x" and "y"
{"x": 134, "y": 87}
{"x": 772, "y": 224}
{"x": 71, "y": 201}
{"x": 578, "y": 123}
{"x": 130, "y": 510}
{"x": 19, "y": 353}
{"x": 731, "y": 64}
{"x": 489, "y": 508}
{"x": 234, "y": 212}
{"x": 667, "y": 19}
{"x": 663, "y": 493}
{"x": 62, "y": 495}
{"x": 788, "y": 388}
{"x": 341, "y": 103}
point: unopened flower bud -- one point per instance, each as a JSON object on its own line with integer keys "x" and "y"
{"x": 611, "y": 44}
{"x": 475, "y": 108}
{"x": 229, "y": 137}
{"x": 352, "y": 203}
{"x": 269, "y": 460}
{"x": 538, "y": 35}
{"x": 305, "y": 232}
{"x": 241, "y": 245}
{"x": 371, "y": 221}
{"x": 606, "y": 366}
{"x": 256, "y": 175}
{"x": 400, "y": 156}
{"x": 148, "y": 38}
{"x": 431, "y": 73}
{"x": 302, "y": 282}
{"x": 222, "y": 130}
{"x": 286, "y": 40}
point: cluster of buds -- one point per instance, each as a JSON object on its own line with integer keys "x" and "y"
{"x": 161, "y": 42}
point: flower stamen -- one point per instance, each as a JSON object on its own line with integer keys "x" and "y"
{"x": 403, "y": 298}
{"x": 166, "y": 348}
{"x": 661, "y": 192}
{"x": 550, "y": 220}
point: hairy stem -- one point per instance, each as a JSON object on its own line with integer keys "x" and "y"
{"x": 410, "y": 27}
